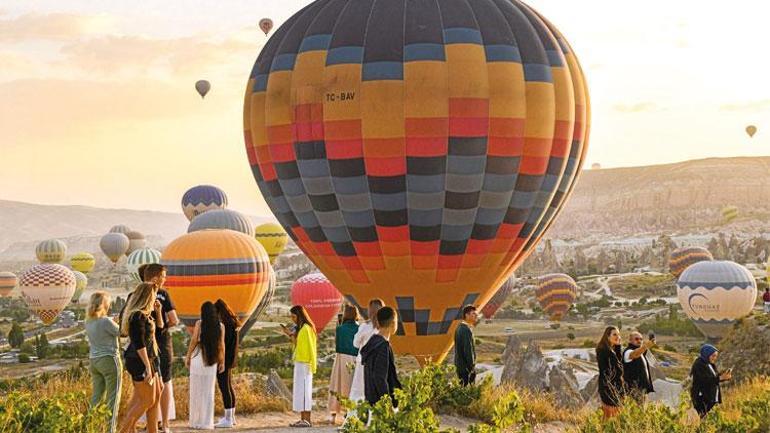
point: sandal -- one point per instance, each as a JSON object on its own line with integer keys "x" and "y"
{"x": 301, "y": 424}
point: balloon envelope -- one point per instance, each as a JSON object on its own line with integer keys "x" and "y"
{"x": 114, "y": 245}
{"x": 222, "y": 219}
{"x": 202, "y": 87}
{"x": 414, "y": 153}
{"x": 751, "y": 130}
{"x": 51, "y": 251}
{"x": 83, "y": 262}
{"x": 266, "y": 24}
{"x": 8, "y": 282}
{"x": 202, "y": 198}
{"x": 556, "y": 293}
{"x": 274, "y": 238}
{"x": 498, "y": 299}
{"x": 136, "y": 241}
{"x": 715, "y": 294}
{"x": 81, "y": 282}
{"x": 144, "y": 256}
{"x": 263, "y": 304}
{"x": 682, "y": 258}
{"x": 729, "y": 213}
{"x": 319, "y": 297}
{"x": 47, "y": 289}
{"x": 120, "y": 229}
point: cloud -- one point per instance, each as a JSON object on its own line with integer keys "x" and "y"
{"x": 760, "y": 105}
{"x": 636, "y": 108}
{"x": 53, "y": 26}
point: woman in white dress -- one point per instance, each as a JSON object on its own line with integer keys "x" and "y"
{"x": 365, "y": 332}
{"x": 205, "y": 358}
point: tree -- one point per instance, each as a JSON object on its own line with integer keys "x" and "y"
{"x": 41, "y": 346}
{"x": 23, "y": 358}
{"x": 571, "y": 336}
{"x": 16, "y": 336}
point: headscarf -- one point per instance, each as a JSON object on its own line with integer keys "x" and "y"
{"x": 706, "y": 351}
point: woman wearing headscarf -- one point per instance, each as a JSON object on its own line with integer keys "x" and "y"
{"x": 610, "y": 360}
{"x": 706, "y": 391}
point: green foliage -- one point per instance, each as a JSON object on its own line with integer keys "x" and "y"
{"x": 262, "y": 362}
{"x": 41, "y": 346}
{"x": 180, "y": 341}
{"x": 27, "y": 348}
{"x": 23, "y": 358}
{"x": 571, "y": 336}
{"x": 16, "y": 336}
{"x": 672, "y": 324}
{"x": 23, "y": 411}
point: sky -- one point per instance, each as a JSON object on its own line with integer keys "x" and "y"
{"x": 97, "y": 105}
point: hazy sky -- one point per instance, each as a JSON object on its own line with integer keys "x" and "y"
{"x": 97, "y": 105}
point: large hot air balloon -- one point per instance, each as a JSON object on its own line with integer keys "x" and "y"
{"x": 114, "y": 245}
{"x": 8, "y": 282}
{"x": 144, "y": 256}
{"x": 416, "y": 151}
{"x": 682, "y": 258}
{"x": 47, "y": 289}
{"x": 202, "y": 198}
{"x": 120, "y": 229}
{"x": 729, "y": 213}
{"x": 211, "y": 264}
{"x": 83, "y": 262}
{"x": 751, "y": 130}
{"x": 319, "y": 297}
{"x": 202, "y": 87}
{"x": 266, "y": 24}
{"x": 51, "y": 251}
{"x": 222, "y": 219}
{"x": 498, "y": 299}
{"x": 263, "y": 304}
{"x": 714, "y": 294}
{"x": 81, "y": 282}
{"x": 273, "y": 238}
{"x": 136, "y": 241}
{"x": 556, "y": 293}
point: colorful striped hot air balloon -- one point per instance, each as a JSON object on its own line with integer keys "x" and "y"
{"x": 8, "y": 282}
{"x": 274, "y": 238}
{"x": 120, "y": 229}
{"x": 47, "y": 289}
{"x": 222, "y": 219}
{"x": 682, "y": 258}
{"x": 556, "y": 293}
{"x": 83, "y": 262}
{"x": 729, "y": 213}
{"x": 416, "y": 151}
{"x": 211, "y": 264}
{"x": 319, "y": 297}
{"x": 114, "y": 245}
{"x": 144, "y": 256}
{"x": 715, "y": 294}
{"x": 263, "y": 304}
{"x": 136, "y": 241}
{"x": 81, "y": 282}
{"x": 202, "y": 198}
{"x": 51, "y": 251}
{"x": 498, "y": 299}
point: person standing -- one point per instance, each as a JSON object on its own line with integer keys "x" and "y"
{"x": 205, "y": 357}
{"x": 380, "y": 375}
{"x": 766, "y": 300}
{"x": 364, "y": 333}
{"x": 141, "y": 357}
{"x": 706, "y": 391}
{"x": 344, "y": 358}
{"x": 610, "y": 360}
{"x": 104, "y": 360}
{"x": 636, "y": 368}
{"x": 305, "y": 363}
{"x": 232, "y": 327}
{"x": 465, "y": 348}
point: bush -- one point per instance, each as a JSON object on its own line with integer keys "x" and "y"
{"x": 23, "y": 411}
{"x": 23, "y": 358}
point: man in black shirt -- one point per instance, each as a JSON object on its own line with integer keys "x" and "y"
{"x": 380, "y": 375}
{"x": 636, "y": 368}
{"x": 465, "y": 349}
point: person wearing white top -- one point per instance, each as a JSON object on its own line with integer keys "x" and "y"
{"x": 636, "y": 368}
{"x": 365, "y": 332}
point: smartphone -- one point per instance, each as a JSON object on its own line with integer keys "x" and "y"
{"x": 651, "y": 336}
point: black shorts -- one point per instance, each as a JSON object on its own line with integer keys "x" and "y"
{"x": 164, "y": 365}
{"x": 135, "y": 367}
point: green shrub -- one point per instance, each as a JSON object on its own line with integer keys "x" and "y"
{"x": 22, "y": 411}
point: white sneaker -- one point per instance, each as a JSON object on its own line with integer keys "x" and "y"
{"x": 224, "y": 423}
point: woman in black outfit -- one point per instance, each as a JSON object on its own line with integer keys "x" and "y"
{"x": 610, "y": 360}
{"x": 706, "y": 391}
{"x": 141, "y": 357}
{"x": 224, "y": 379}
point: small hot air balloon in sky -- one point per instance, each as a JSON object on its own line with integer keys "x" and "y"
{"x": 8, "y": 282}
{"x": 81, "y": 282}
{"x": 682, "y": 258}
{"x": 556, "y": 293}
{"x": 266, "y": 24}
{"x": 729, "y": 213}
{"x": 263, "y": 304}
{"x": 751, "y": 130}
{"x": 416, "y": 151}
{"x": 202, "y": 87}
{"x": 136, "y": 241}
{"x": 83, "y": 262}
{"x": 715, "y": 294}
{"x": 319, "y": 297}
{"x": 498, "y": 299}
{"x": 223, "y": 219}
{"x": 596, "y": 166}
{"x": 144, "y": 256}
{"x": 215, "y": 264}
{"x": 47, "y": 289}
{"x": 114, "y": 245}
{"x": 51, "y": 251}
{"x": 274, "y": 238}
{"x": 202, "y": 198}
{"x": 121, "y": 228}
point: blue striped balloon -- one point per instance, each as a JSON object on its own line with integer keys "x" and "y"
{"x": 202, "y": 198}
{"x": 222, "y": 219}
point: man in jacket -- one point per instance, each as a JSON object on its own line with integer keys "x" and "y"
{"x": 465, "y": 349}
{"x": 380, "y": 375}
{"x": 636, "y": 367}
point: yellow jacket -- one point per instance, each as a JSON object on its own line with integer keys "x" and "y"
{"x": 306, "y": 349}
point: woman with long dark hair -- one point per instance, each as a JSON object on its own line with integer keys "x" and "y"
{"x": 224, "y": 379}
{"x": 610, "y": 360}
{"x": 305, "y": 362}
{"x": 205, "y": 357}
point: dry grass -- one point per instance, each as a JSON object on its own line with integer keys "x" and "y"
{"x": 250, "y": 397}
{"x": 540, "y": 408}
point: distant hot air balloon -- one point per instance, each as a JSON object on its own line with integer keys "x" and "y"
{"x": 222, "y": 219}
{"x": 114, "y": 245}
{"x": 51, "y": 251}
{"x": 274, "y": 238}
{"x": 556, "y": 293}
{"x": 729, "y": 213}
{"x": 202, "y": 198}
{"x": 215, "y": 264}
{"x": 751, "y": 130}
{"x": 81, "y": 282}
{"x": 682, "y": 258}
{"x": 120, "y": 229}
{"x": 136, "y": 241}
{"x": 47, "y": 289}
{"x": 416, "y": 151}
{"x": 498, "y": 299}
{"x": 596, "y": 166}
{"x": 319, "y": 297}
{"x": 144, "y": 256}
{"x": 715, "y": 294}
{"x": 83, "y": 262}
{"x": 202, "y": 87}
{"x": 263, "y": 304}
{"x": 266, "y": 24}
{"x": 8, "y": 282}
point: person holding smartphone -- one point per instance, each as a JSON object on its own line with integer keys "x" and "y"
{"x": 636, "y": 367}
{"x": 706, "y": 391}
